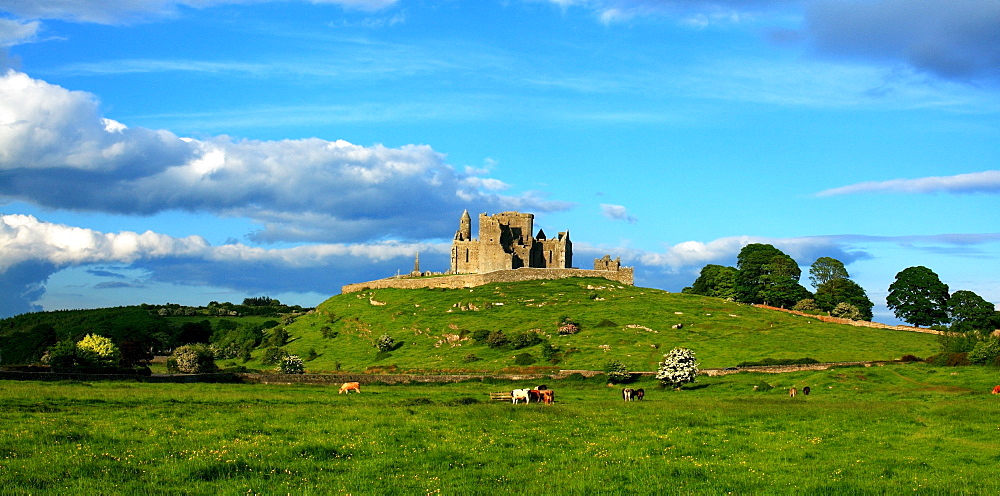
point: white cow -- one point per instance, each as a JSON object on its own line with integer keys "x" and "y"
{"x": 518, "y": 394}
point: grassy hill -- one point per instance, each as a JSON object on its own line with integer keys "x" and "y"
{"x": 434, "y": 329}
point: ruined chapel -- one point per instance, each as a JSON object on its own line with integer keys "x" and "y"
{"x": 505, "y": 242}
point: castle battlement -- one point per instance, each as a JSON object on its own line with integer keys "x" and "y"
{"x": 504, "y": 252}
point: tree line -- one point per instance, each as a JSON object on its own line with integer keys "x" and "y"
{"x": 766, "y": 275}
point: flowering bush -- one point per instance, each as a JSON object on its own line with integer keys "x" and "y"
{"x": 385, "y": 343}
{"x": 194, "y": 359}
{"x": 846, "y": 311}
{"x": 677, "y": 368}
{"x": 291, "y": 364}
{"x": 97, "y": 350}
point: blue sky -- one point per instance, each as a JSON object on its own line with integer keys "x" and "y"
{"x": 195, "y": 150}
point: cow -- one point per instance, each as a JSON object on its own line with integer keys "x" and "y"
{"x": 536, "y": 395}
{"x": 348, "y": 386}
{"x": 548, "y": 396}
{"x": 805, "y": 390}
{"x": 627, "y": 394}
{"x": 792, "y": 392}
{"x": 639, "y": 394}
{"x": 996, "y": 389}
{"x": 519, "y": 394}
{"x": 543, "y": 387}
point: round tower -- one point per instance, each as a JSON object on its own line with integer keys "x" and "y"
{"x": 465, "y": 227}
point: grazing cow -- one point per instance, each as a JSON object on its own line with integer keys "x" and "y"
{"x": 548, "y": 396}
{"x": 805, "y": 390}
{"x": 627, "y": 394}
{"x": 996, "y": 390}
{"x": 535, "y": 395}
{"x": 792, "y": 392}
{"x": 348, "y": 386}
{"x": 519, "y": 394}
{"x": 639, "y": 394}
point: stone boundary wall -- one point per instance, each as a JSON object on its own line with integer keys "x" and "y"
{"x": 625, "y": 275}
{"x": 856, "y": 323}
{"x": 780, "y": 369}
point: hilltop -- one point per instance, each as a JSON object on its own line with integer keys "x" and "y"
{"x": 437, "y": 329}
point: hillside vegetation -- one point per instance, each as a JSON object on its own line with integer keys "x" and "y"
{"x": 436, "y": 330}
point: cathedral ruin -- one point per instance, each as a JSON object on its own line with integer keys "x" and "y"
{"x": 505, "y": 251}
{"x": 505, "y": 242}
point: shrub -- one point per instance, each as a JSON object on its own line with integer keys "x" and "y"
{"x": 762, "y": 386}
{"x": 328, "y": 333}
{"x": 677, "y": 368}
{"x": 497, "y": 339}
{"x": 525, "y": 339}
{"x": 97, "y": 350}
{"x": 910, "y": 358}
{"x": 279, "y": 337}
{"x": 481, "y": 335}
{"x": 846, "y": 311}
{"x": 291, "y": 364}
{"x": 194, "y": 359}
{"x": 471, "y": 357}
{"x": 607, "y": 323}
{"x": 805, "y": 305}
{"x": 62, "y": 355}
{"x": 311, "y": 354}
{"x": 985, "y": 352}
{"x": 273, "y": 355}
{"x": 524, "y": 359}
{"x": 616, "y": 371}
{"x": 385, "y": 343}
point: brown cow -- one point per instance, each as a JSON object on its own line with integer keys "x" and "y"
{"x": 996, "y": 390}
{"x": 535, "y": 395}
{"x": 548, "y": 396}
{"x": 639, "y": 394}
{"x": 348, "y": 386}
{"x": 792, "y": 392}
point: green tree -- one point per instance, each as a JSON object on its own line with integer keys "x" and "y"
{"x": 919, "y": 297}
{"x": 970, "y": 312}
{"x": 846, "y": 311}
{"x": 767, "y": 275}
{"x": 716, "y": 281}
{"x": 833, "y": 292}
{"x": 616, "y": 371}
{"x": 825, "y": 270}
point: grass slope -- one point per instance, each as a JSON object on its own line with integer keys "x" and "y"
{"x": 432, "y": 328}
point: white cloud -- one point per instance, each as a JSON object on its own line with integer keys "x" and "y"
{"x": 125, "y": 11}
{"x": 976, "y": 182}
{"x": 16, "y": 32}
{"x": 617, "y": 212}
{"x": 56, "y": 150}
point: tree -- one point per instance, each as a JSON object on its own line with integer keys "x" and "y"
{"x": 616, "y": 371}
{"x": 767, "y": 275}
{"x": 97, "y": 350}
{"x": 716, "y": 281}
{"x": 970, "y": 312}
{"x": 825, "y": 270}
{"x": 833, "y": 292}
{"x": 677, "y": 368}
{"x": 846, "y": 311}
{"x": 291, "y": 364}
{"x": 919, "y": 297}
{"x": 195, "y": 358}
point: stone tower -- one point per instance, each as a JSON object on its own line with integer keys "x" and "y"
{"x": 505, "y": 242}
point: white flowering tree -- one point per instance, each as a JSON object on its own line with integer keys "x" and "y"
{"x": 677, "y": 368}
{"x": 385, "y": 343}
{"x": 291, "y": 364}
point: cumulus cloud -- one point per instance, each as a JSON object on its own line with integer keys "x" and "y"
{"x": 56, "y": 150}
{"x": 34, "y": 250}
{"x": 125, "y": 11}
{"x": 617, "y": 212}
{"x": 957, "y": 39}
{"x": 976, "y": 182}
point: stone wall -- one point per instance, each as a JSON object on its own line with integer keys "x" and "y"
{"x": 856, "y": 323}
{"x": 625, "y": 275}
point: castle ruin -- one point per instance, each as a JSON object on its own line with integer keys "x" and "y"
{"x": 504, "y": 252}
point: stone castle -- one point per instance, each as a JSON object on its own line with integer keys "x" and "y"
{"x": 504, "y": 252}
{"x": 505, "y": 242}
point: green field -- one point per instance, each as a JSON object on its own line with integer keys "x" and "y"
{"x": 433, "y": 329}
{"x": 892, "y": 429}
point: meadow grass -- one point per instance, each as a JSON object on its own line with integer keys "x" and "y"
{"x": 877, "y": 430}
{"x": 433, "y": 327}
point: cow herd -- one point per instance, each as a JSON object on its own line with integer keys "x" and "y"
{"x": 540, "y": 394}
